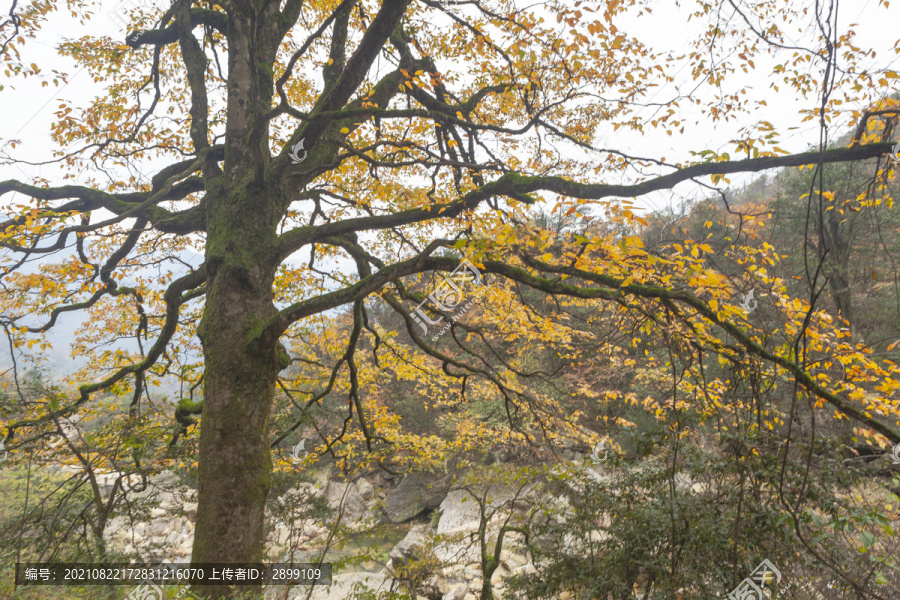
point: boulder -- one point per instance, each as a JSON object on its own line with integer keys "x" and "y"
{"x": 346, "y": 494}
{"x": 416, "y": 494}
{"x": 526, "y": 569}
{"x": 190, "y": 509}
{"x": 410, "y": 547}
{"x": 457, "y": 593}
{"x": 343, "y": 585}
{"x": 514, "y": 561}
{"x": 366, "y": 490}
{"x": 459, "y": 513}
{"x": 160, "y": 526}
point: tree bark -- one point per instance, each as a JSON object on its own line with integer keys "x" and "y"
{"x": 240, "y": 377}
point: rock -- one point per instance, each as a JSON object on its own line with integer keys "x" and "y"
{"x": 366, "y": 490}
{"x": 106, "y": 480}
{"x": 457, "y": 593}
{"x": 342, "y": 585}
{"x": 160, "y": 526}
{"x": 514, "y": 561}
{"x": 388, "y": 567}
{"x": 168, "y": 502}
{"x": 526, "y": 569}
{"x": 282, "y": 536}
{"x": 416, "y": 494}
{"x": 683, "y": 482}
{"x": 165, "y": 480}
{"x": 322, "y": 476}
{"x": 310, "y": 531}
{"x": 459, "y": 513}
{"x": 190, "y": 510}
{"x": 354, "y": 506}
{"x": 410, "y": 547}
{"x": 499, "y": 575}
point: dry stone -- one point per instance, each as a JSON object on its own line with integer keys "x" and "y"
{"x": 457, "y": 593}
{"x": 355, "y": 509}
{"x": 416, "y": 494}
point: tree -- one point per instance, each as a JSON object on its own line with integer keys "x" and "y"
{"x": 383, "y": 133}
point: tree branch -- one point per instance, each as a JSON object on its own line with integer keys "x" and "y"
{"x": 518, "y": 186}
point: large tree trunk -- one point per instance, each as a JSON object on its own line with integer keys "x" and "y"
{"x": 235, "y": 462}
{"x": 243, "y": 205}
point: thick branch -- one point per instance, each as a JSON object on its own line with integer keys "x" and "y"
{"x": 134, "y": 204}
{"x": 614, "y": 290}
{"x": 517, "y": 186}
{"x": 354, "y": 73}
{"x": 179, "y": 291}
{"x": 169, "y": 35}
{"x": 611, "y": 289}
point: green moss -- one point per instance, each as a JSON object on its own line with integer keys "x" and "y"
{"x": 284, "y": 359}
{"x": 193, "y": 408}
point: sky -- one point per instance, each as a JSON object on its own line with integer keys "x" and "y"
{"x": 29, "y": 107}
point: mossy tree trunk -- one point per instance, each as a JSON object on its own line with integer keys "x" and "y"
{"x": 243, "y": 210}
{"x": 239, "y": 386}
{"x": 244, "y": 203}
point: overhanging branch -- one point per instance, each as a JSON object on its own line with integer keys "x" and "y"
{"x": 517, "y": 186}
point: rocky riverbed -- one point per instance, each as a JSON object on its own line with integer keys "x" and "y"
{"x": 388, "y": 524}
